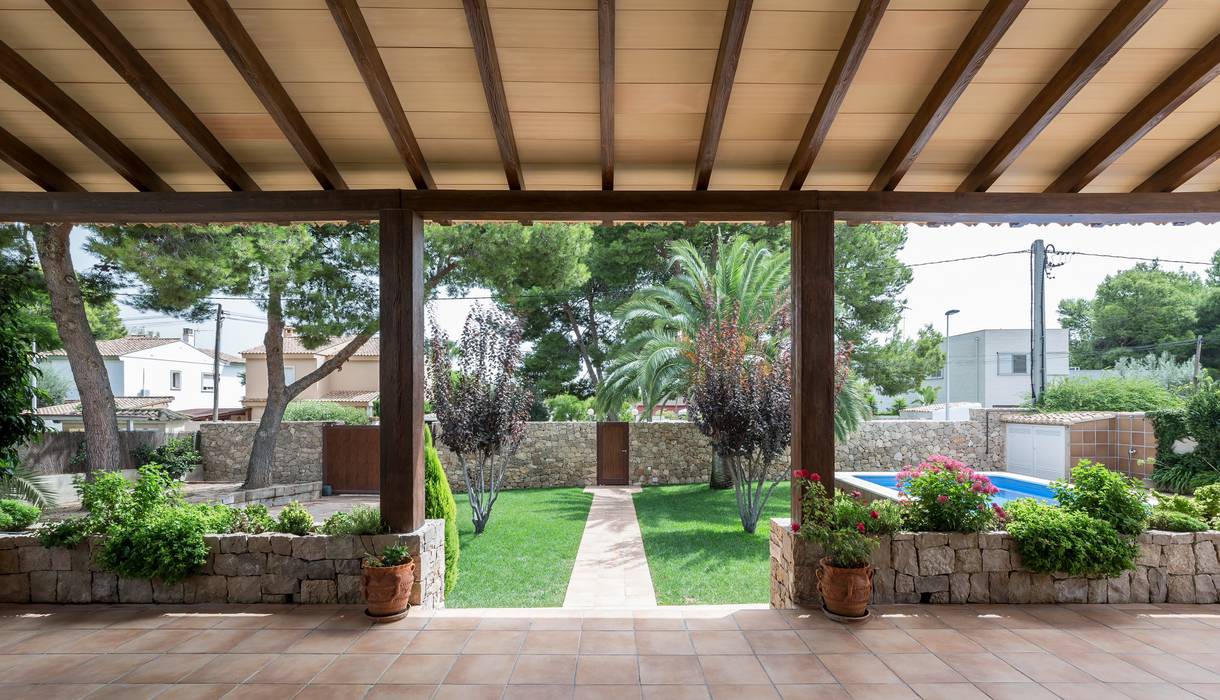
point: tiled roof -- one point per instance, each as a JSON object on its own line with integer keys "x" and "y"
{"x": 294, "y": 346}
{"x": 154, "y": 407}
{"x": 1064, "y": 418}
{"x": 932, "y": 408}
{"x": 124, "y": 346}
{"x": 358, "y": 396}
{"x": 224, "y": 356}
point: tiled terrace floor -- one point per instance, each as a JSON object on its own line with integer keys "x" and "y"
{"x": 1027, "y": 652}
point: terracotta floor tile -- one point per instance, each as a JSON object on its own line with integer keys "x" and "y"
{"x": 733, "y": 670}
{"x": 1116, "y": 642}
{"x": 468, "y": 692}
{"x": 47, "y": 692}
{"x": 382, "y": 642}
{"x": 820, "y": 691}
{"x": 831, "y": 641}
{"x": 167, "y": 668}
{"x": 267, "y": 641}
{"x": 1152, "y": 691}
{"x": 494, "y": 642}
{"x": 857, "y": 668}
{"x": 437, "y": 642}
{"x": 984, "y": 668}
{"x": 1016, "y": 691}
{"x": 551, "y": 642}
{"x": 948, "y": 691}
{"x": 428, "y": 669}
{"x": 229, "y": 668}
{"x": 1045, "y": 668}
{"x": 998, "y": 640}
{"x": 945, "y": 641}
{"x": 742, "y": 692}
{"x": 293, "y": 668}
{"x": 607, "y": 669}
{"x": 453, "y": 623}
{"x": 1172, "y": 668}
{"x": 58, "y": 641}
{"x": 1081, "y": 691}
{"x": 103, "y": 668}
{"x": 761, "y": 620}
{"x": 537, "y": 692}
{"x": 253, "y": 691}
{"x": 544, "y": 669}
{"x": 1058, "y": 641}
{"x": 332, "y": 692}
{"x": 659, "y": 623}
{"x": 1208, "y": 691}
{"x": 481, "y": 669}
{"x": 720, "y": 642}
{"x": 118, "y": 691}
{"x": 323, "y": 642}
{"x": 893, "y": 641}
{"x": 795, "y": 669}
{"x": 921, "y": 668}
{"x": 607, "y": 642}
{"x": 556, "y": 624}
{"x": 195, "y": 691}
{"x": 880, "y": 691}
{"x": 670, "y": 670}
{"x": 1110, "y": 669}
{"x": 775, "y": 642}
{"x": 618, "y": 623}
{"x": 211, "y": 641}
{"x": 724, "y": 622}
{"x": 400, "y": 692}
{"x": 355, "y": 668}
{"x": 101, "y": 641}
{"x": 157, "y": 641}
{"x": 664, "y": 642}
{"x": 675, "y": 692}
{"x": 607, "y": 692}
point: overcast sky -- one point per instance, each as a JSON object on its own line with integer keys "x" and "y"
{"x": 991, "y": 292}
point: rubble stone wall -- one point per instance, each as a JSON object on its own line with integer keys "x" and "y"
{"x": 225, "y": 447}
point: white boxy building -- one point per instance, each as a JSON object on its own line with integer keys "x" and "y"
{"x": 992, "y": 367}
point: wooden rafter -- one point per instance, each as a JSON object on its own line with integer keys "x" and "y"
{"x": 227, "y": 30}
{"x": 834, "y": 89}
{"x": 605, "y": 79}
{"x": 55, "y": 103}
{"x": 1097, "y": 50}
{"x": 1186, "y": 165}
{"x": 1184, "y": 82}
{"x": 735, "y": 20}
{"x": 355, "y": 31}
{"x": 987, "y": 31}
{"x": 479, "y": 22}
{"x": 92, "y": 25}
{"x": 34, "y": 167}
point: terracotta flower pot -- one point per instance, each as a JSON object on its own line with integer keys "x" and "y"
{"x": 845, "y": 592}
{"x": 387, "y": 589}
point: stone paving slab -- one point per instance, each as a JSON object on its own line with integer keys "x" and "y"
{"x": 703, "y": 652}
{"x": 611, "y": 570}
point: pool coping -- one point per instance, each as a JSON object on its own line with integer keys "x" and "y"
{"x": 851, "y": 481}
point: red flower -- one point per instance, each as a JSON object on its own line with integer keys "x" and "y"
{"x": 815, "y": 477}
{"x": 796, "y": 527}
{"x": 857, "y": 495}
{"x": 860, "y": 527}
{"x": 874, "y": 514}
{"x": 800, "y": 474}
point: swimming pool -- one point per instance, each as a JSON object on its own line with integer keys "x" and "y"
{"x": 1012, "y": 486}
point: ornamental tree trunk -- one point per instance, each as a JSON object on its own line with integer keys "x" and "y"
{"x": 722, "y": 475}
{"x": 103, "y": 448}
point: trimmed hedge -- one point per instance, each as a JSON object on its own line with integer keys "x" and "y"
{"x": 439, "y": 503}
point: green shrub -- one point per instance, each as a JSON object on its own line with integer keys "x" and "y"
{"x": 1178, "y": 504}
{"x": 166, "y": 543}
{"x": 6, "y": 522}
{"x": 1207, "y": 499}
{"x": 1175, "y": 521}
{"x": 1188, "y": 472}
{"x": 295, "y": 519}
{"x": 112, "y": 501}
{"x": 439, "y": 503}
{"x": 1107, "y": 394}
{"x": 253, "y": 519}
{"x": 566, "y": 407}
{"x": 19, "y": 513}
{"x": 1104, "y": 494}
{"x": 393, "y": 555}
{"x": 177, "y": 456}
{"x": 360, "y": 520}
{"x": 1051, "y": 539}
{"x": 947, "y": 496}
{"x": 325, "y": 410}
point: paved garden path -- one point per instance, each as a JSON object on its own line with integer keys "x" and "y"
{"x": 611, "y": 570}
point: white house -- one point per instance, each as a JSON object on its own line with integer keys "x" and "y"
{"x": 143, "y": 366}
{"x": 992, "y": 366}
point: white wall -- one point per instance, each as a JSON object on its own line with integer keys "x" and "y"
{"x": 974, "y": 365}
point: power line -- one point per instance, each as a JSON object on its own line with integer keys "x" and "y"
{"x": 1135, "y": 257}
{"x": 972, "y": 257}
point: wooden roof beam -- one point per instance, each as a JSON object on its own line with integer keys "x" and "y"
{"x": 34, "y": 167}
{"x": 987, "y": 31}
{"x": 1184, "y": 82}
{"x": 1186, "y": 165}
{"x": 731, "y": 38}
{"x": 834, "y": 89}
{"x": 359, "y": 39}
{"x": 55, "y": 103}
{"x": 479, "y": 22}
{"x": 605, "y": 79}
{"x": 1097, "y": 50}
{"x": 92, "y": 25}
{"x": 227, "y": 30}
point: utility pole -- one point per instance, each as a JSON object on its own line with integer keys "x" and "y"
{"x": 1037, "y": 374}
{"x": 1198, "y": 360}
{"x": 216, "y": 366}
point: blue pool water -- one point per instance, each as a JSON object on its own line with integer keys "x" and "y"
{"x": 1010, "y": 488}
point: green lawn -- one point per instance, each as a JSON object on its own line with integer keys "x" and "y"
{"x": 697, "y": 551}
{"x": 524, "y": 558}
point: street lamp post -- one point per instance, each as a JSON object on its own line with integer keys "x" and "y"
{"x": 948, "y": 313}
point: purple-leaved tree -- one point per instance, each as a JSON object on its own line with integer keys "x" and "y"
{"x": 481, "y": 406}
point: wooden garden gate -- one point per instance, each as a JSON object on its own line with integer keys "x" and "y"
{"x": 351, "y": 458}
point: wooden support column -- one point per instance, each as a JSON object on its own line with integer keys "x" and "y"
{"x": 813, "y": 349}
{"x": 402, "y": 370}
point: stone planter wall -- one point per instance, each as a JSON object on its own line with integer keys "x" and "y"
{"x": 225, "y": 447}
{"x": 551, "y": 454}
{"x": 937, "y": 567}
{"x": 241, "y": 568}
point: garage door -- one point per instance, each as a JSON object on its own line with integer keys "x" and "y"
{"x": 1037, "y": 450}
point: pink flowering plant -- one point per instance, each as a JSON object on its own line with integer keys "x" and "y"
{"x": 846, "y": 526}
{"x": 944, "y": 495}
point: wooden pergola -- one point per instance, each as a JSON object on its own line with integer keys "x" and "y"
{"x": 987, "y": 111}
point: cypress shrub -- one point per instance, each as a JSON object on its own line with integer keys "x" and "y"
{"x": 439, "y": 503}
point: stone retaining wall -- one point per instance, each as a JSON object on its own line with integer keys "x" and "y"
{"x": 241, "y": 568}
{"x": 551, "y": 454}
{"x": 937, "y": 567}
{"x": 225, "y": 447}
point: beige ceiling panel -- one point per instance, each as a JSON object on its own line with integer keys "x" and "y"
{"x": 418, "y": 27}
{"x": 239, "y": 127}
{"x": 634, "y": 29}
{"x": 808, "y": 31}
{"x": 557, "y": 29}
{"x": 644, "y": 176}
{"x": 282, "y": 176}
{"x": 658, "y": 127}
{"x": 548, "y": 65}
{"x": 733, "y": 176}
{"x": 1206, "y": 181}
{"x": 459, "y": 150}
{"x": 1075, "y": 131}
{"x": 1021, "y": 66}
{"x": 933, "y": 177}
{"x": 566, "y": 126}
{"x": 885, "y": 99}
{"x": 662, "y": 152}
{"x": 1183, "y": 126}
{"x": 660, "y": 98}
{"x": 1206, "y": 100}
{"x": 321, "y": 66}
{"x": 372, "y": 150}
{"x": 431, "y": 64}
{"x": 37, "y": 28}
{"x": 552, "y": 97}
{"x": 783, "y": 66}
{"x": 566, "y": 151}
{"x": 268, "y": 151}
{"x": 292, "y": 30}
{"x": 194, "y": 66}
{"x": 944, "y": 150}
{"x": 1050, "y": 28}
{"x": 486, "y": 175}
{"x": 902, "y": 66}
{"x": 330, "y": 97}
{"x": 790, "y": 98}
{"x": 755, "y": 153}
{"x": 984, "y": 98}
{"x": 71, "y": 65}
{"x": 562, "y": 176}
{"x": 980, "y": 126}
{"x": 1176, "y": 28}
{"x": 920, "y": 29}
{"x": 452, "y": 125}
{"x": 441, "y": 97}
{"x": 96, "y": 97}
{"x": 745, "y": 125}
{"x": 665, "y": 66}
{"x": 375, "y": 176}
{"x": 160, "y": 29}
{"x": 1147, "y": 66}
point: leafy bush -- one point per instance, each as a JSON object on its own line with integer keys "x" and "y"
{"x": 177, "y": 456}
{"x": 166, "y": 543}
{"x": 439, "y": 503}
{"x": 295, "y": 520}
{"x": 1175, "y": 521}
{"x": 846, "y": 526}
{"x": 1107, "y": 394}
{"x": 566, "y": 407}
{"x": 360, "y": 520}
{"x": 947, "y": 496}
{"x": 1185, "y": 473}
{"x": 253, "y": 519}
{"x": 1178, "y": 504}
{"x": 19, "y": 514}
{"x": 113, "y": 502}
{"x": 394, "y": 555}
{"x": 1052, "y": 539}
{"x": 1207, "y": 499}
{"x": 325, "y": 410}
{"x": 1104, "y": 494}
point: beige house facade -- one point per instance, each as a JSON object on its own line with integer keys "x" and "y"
{"x": 354, "y": 383}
